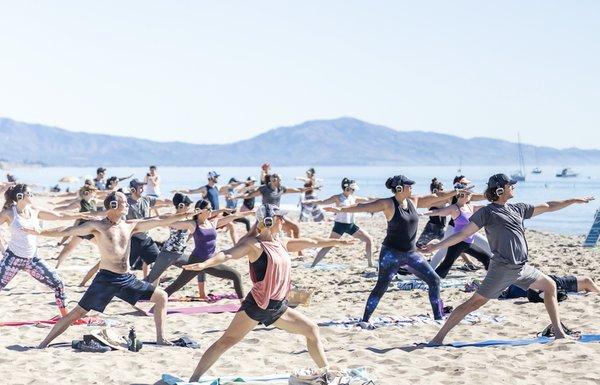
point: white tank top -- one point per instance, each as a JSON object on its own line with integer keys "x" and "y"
{"x": 152, "y": 189}
{"x": 345, "y": 202}
{"x": 22, "y": 244}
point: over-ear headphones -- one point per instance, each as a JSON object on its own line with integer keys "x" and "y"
{"x": 499, "y": 191}
{"x": 113, "y": 204}
{"x": 399, "y": 188}
{"x": 180, "y": 205}
{"x": 20, "y": 196}
{"x": 268, "y": 219}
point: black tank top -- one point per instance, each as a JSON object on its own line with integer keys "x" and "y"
{"x": 402, "y": 228}
{"x": 436, "y": 219}
{"x": 258, "y": 268}
{"x": 249, "y": 203}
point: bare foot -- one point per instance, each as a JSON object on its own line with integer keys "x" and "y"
{"x": 163, "y": 342}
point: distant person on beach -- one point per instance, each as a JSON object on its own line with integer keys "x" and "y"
{"x": 231, "y": 201}
{"x": 113, "y": 237}
{"x": 503, "y": 223}
{"x": 22, "y": 251}
{"x": 310, "y": 210}
{"x": 271, "y": 193}
{"x": 270, "y": 271}
{"x": 265, "y": 169}
{"x": 152, "y": 180}
{"x": 344, "y": 222}
{"x": 398, "y": 248}
{"x": 100, "y": 182}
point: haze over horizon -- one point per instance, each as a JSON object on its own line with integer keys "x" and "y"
{"x": 219, "y": 73}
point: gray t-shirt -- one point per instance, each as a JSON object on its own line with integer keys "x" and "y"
{"x": 504, "y": 229}
{"x": 140, "y": 209}
{"x": 271, "y": 196}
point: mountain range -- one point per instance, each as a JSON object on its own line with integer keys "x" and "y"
{"x": 335, "y": 142}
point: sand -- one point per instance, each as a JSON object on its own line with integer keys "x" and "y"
{"x": 338, "y": 294}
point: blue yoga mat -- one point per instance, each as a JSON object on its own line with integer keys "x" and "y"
{"x": 585, "y": 338}
{"x": 274, "y": 379}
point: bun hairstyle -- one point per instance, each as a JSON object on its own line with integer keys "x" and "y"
{"x": 435, "y": 185}
{"x": 311, "y": 171}
{"x": 345, "y": 183}
{"x": 392, "y": 183}
{"x": 10, "y": 195}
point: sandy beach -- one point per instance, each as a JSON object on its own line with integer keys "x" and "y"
{"x": 338, "y": 294}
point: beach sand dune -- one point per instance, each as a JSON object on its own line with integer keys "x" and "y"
{"x": 387, "y": 351}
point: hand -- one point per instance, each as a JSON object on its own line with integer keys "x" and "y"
{"x": 332, "y": 209}
{"x": 583, "y": 200}
{"x": 194, "y": 266}
{"x": 427, "y": 213}
{"x": 349, "y": 241}
{"x": 429, "y": 248}
{"x": 30, "y": 231}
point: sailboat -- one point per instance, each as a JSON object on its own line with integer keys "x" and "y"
{"x": 536, "y": 170}
{"x": 519, "y": 175}
{"x": 566, "y": 173}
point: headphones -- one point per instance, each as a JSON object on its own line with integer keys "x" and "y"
{"x": 399, "y": 188}
{"x": 113, "y": 204}
{"x": 268, "y": 220}
{"x": 180, "y": 205}
{"x": 499, "y": 191}
{"x": 20, "y": 196}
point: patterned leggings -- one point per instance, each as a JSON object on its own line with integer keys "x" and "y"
{"x": 11, "y": 264}
{"x": 389, "y": 262}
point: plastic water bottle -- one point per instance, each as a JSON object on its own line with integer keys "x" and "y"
{"x": 132, "y": 340}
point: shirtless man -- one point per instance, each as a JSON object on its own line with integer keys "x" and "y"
{"x": 113, "y": 238}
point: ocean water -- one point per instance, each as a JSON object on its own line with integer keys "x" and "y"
{"x": 574, "y": 220}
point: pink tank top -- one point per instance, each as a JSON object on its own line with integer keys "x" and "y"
{"x": 276, "y": 283}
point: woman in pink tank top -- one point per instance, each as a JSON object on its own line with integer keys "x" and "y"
{"x": 270, "y": 267}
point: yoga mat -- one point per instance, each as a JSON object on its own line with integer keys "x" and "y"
{"x": 212, "y": 298}
{"x": 229, "y": 308}
{"x": 272, "y": 379}
{"x": 585, "y": 338}
{"x": 92, "y": 321}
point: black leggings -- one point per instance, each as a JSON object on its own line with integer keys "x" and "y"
{"x": 455, "y": 251}
{"x": 221, "y": 271}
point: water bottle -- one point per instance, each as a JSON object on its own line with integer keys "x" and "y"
{"x": 132, "y": 340}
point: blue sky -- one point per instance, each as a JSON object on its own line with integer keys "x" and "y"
{"x": 216, "y": 72}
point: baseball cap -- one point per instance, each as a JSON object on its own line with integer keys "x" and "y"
{"x": 500, "y": 180}
{"x": 135, "y": 183}
{"x": 233, "y": 180}
{"x": 399, "y": 180}
{"x": 213, "y": 174}
{"x": 181, "y": 198}
{"x": 100, "y": 169}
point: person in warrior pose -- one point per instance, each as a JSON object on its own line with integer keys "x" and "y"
{"x": 399, "y": 249}
{"x": 113, "y": 237}
{"x": 270, "y": 268}
{"x": 503, "y": 223}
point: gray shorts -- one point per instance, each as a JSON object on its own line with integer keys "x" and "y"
{"x": 502, "y": 275}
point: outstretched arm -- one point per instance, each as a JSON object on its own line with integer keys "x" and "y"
{"x": 236, "y": 252}
{"x": 52, "y": 216}
{"x": 143, "y": 225}
{"x": 369, "y": 207}
{"x": 298, "y": 244}
{"x": 292, "y": 190}
{"x": 83, "y": 229}
{"x": 558, "y": 205}
{"x": 449, "y": 210}
{"x": 328, "y": 201}
{"x": 125, "y": 178}
{"x": 230, "y": 218}
{"x": 427, "y": 201}
{"x": 470, "y": 229}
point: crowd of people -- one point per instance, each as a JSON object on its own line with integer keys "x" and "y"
{"x": 117, "y": 221}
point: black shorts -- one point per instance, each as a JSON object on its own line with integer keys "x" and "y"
{"x": 347, "y": 228}
{"x": 567, "y": 283}
{"x": 142, "y": 250}
{"x": 107, "y": 285}
{"x": 263, "y": 316}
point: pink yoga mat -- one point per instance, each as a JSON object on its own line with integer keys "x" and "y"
{"x": 229, "y": 308}
{"x": 52, "y": 321}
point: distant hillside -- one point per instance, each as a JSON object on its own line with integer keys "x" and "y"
{"x": 344, "y": 141}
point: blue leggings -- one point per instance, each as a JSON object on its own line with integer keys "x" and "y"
{"x": 389, "y": 262}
